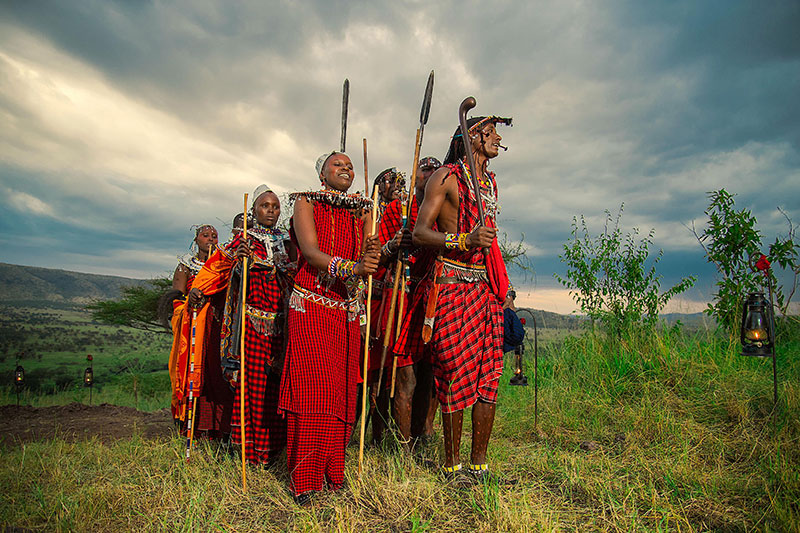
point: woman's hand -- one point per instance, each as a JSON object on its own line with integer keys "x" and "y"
{"x": 245, "y": 249}
{"x": 372, "y": 254}
{"x": 195, "y": 297}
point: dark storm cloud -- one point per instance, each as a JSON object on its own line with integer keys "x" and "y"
{"x": 646, "y": 104}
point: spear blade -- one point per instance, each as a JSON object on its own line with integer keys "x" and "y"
{"x": 345, "y": 103}
{"x": 426, "y": 101}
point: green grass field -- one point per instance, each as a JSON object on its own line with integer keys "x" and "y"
{"x": 654, "y": 432}
{"x": 130, "y": 366}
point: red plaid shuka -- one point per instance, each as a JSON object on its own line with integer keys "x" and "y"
{"x": 467, "y": 343}
{"x": 408, "y": 348}
{"x": 265, "y": 429}
{"x": 321, "y": 371}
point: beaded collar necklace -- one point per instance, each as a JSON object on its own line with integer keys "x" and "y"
{"x": 335, "y": 198}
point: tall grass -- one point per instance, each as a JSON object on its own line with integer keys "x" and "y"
{"x": 652, "y": 431}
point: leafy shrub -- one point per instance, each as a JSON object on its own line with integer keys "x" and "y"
{"x": 609, "y": 278}
{"x": 731, "y": 242}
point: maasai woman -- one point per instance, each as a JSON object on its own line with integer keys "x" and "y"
{"x": 270, "y": 256}
{"x": 189, "y": 265}
{"x": 321, "y": 373}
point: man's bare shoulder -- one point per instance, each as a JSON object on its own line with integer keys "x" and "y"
{"x": 441, "y": 180}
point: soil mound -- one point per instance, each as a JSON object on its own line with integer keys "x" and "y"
{"x": 80, "y": 422}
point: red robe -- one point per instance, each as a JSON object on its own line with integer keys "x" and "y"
{"x": 319, "y": 385}
{"x": 213, "y": 401}
{"x": 467, "y": 342}
{"x": 408, "y": 347}
{"x": 267, "y": 279}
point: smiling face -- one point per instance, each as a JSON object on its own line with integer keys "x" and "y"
{"x": 487, "y": 141}
{"x": 267, "y": 209}
{"x": 337, "y": 174}
{"x": 205, "y": 238}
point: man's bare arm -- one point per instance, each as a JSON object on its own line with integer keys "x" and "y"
{"x": 441, "y": 193}
{"x": 436, "y": 192}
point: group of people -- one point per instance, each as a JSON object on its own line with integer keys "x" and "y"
{"x": 436, "y": 321}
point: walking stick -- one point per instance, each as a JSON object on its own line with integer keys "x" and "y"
{"x": 468, "y": 103}
{"x": 407, "y": 207}
{"x": 369, "y": 317}
{"x": 242, "y": 349}
{"x": 191, "y": 403}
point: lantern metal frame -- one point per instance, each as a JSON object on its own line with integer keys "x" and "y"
{"x": 761, "y": 349}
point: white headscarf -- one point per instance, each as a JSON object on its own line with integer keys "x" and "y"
{"x": 323, "y": 158}
{"x": 261, "y": 189}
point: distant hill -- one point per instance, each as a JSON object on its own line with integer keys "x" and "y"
{"x": 35, "y": 286}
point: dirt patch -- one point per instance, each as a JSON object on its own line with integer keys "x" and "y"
{"x": 80, "y": 422}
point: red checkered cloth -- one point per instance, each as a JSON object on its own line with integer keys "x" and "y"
{"x": 315, "y": 451}
{"x": 467, "y": 345}
{"x": 467, "y": 342}
{"x": 409, "y": 348}
{"x": 265, "y": 428}
{"x": 321, "y": 371}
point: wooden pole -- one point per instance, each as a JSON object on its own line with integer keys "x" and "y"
{"x": 407, "y": 275}
{"x": 245, "y": 265}
{"x": 364, "y": 390}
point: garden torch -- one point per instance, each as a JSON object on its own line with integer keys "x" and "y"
{"x": 88, "y": 376}
{"x": 19, "y": 380}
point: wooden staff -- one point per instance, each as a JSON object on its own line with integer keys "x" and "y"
{"x": 364, "y": 390}
{"x": 406, "y": 272}
{"x": 242, "y": 348}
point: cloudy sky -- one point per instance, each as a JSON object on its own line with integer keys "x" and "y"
{"x": 124, "y": 123}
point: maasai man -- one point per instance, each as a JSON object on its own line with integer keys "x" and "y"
{"x": 270, "y": 268}
{"x": 391, "y": 186}
{"x": 414, "y": 377}
{"x": 321, "y": 372}
{"x": 189, "y": 264}
{"x": 467, "y": 334}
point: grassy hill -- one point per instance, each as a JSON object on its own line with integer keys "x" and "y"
{"x": 35, "y": 286}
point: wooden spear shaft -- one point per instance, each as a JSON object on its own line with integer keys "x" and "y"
{"x": 242, "y": 350}
{"x": 364, "y": 390}
{"x": 406, "y": 214}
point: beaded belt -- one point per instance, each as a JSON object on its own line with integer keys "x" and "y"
{"x": 262, "y": 321}
{"x": 300, "y": 295}
{"x": 458, "y": 272}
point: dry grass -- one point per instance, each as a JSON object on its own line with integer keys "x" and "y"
{"x": 682, "y": 438}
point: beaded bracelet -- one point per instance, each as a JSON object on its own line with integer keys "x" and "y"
{"x": 450, "y": 241}
{"x": 390, "y": 248}
{"x": 345, "y": 268}
{"x": 333, "y": 265}
{"x": 462, "y": 241}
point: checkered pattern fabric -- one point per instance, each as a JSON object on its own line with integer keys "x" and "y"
{"x": 467, "y": 346}
{"x": 408, "y": 348}
{"x": 265, "y": 428}
{"x": 315, "y": 451}
{"x": 467, "y": 343}
{"x": 319, "y": 384}
{"x": 321, "y": 370}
